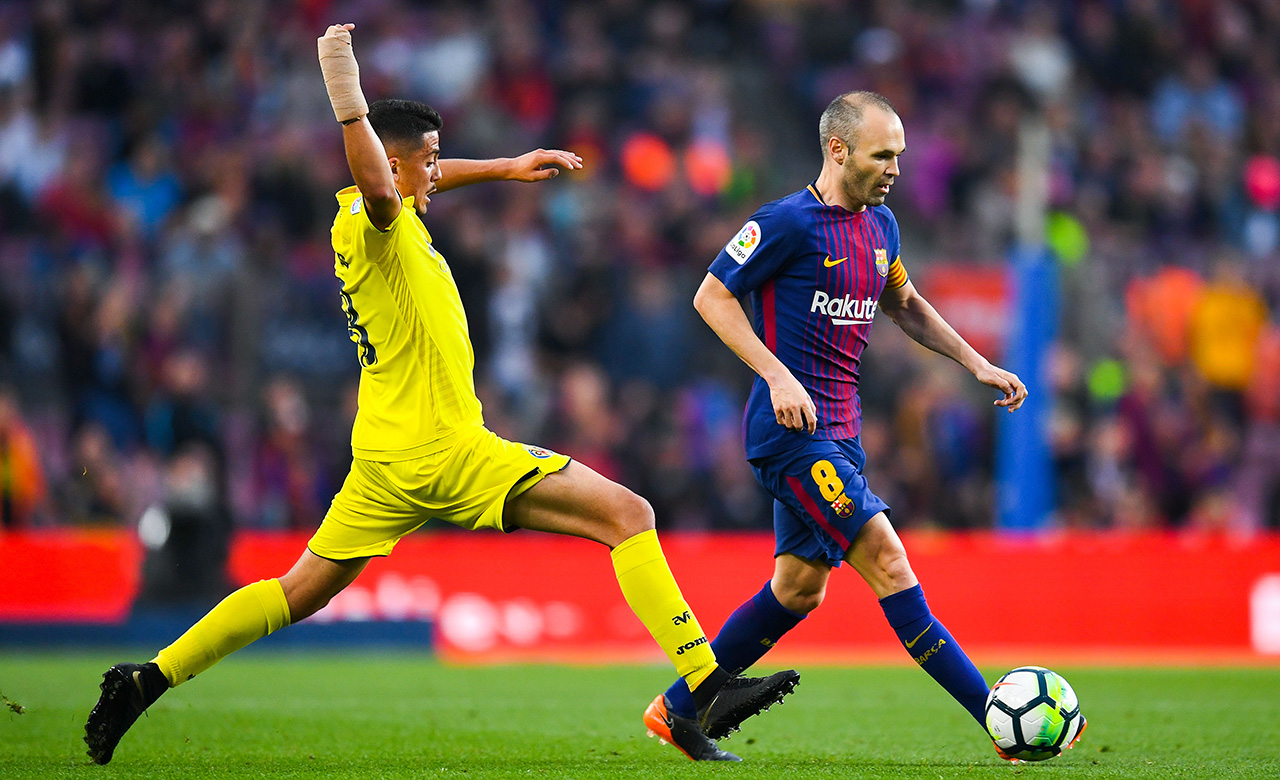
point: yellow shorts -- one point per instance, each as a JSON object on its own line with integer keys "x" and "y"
{"x": 467, "y": 484}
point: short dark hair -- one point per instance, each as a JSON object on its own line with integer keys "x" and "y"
{"x": 401, "y": 122}
{"x": 843, "y": 117}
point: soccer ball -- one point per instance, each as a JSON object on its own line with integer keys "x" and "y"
{"x": 1032, "y": 714}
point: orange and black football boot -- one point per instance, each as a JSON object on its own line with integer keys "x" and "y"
{"x": 684, "y": 733}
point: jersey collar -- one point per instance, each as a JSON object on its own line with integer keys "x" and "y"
{"x": 813, "y": 190}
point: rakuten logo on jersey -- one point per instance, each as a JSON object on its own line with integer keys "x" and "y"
{"x": 846, "y": 310}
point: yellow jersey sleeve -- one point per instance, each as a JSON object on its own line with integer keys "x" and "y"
{"x": 417, "y": 389}
{"x": 355, "y": 237}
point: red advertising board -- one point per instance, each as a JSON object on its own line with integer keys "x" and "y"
{"x": 69, "y": 575}
{"x": 1149, "y": 597}
{"x": 1152, "y": 596}
{"x": 973, "y": 298}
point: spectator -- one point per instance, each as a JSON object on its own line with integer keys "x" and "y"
{"x": 144, "y": 187}
{"x": 289, "y": 484}
{"x": 1225, "y": 325}
{"x": 22, "y": 481}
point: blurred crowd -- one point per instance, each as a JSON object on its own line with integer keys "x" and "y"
{"x": 170, "y": 328}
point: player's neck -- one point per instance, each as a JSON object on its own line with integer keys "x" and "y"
{"x": 832, "y": 194}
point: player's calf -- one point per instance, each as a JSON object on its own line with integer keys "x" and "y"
{"x": 127, "y": 691}
{"x": 935, "y": 650}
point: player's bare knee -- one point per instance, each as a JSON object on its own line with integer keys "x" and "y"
{"x": 895, "y": 570}
{"x": 632, "y": 514}
{"x": 802, "y": 600}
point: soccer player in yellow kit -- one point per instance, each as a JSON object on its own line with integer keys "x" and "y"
{"x": 421, "y": 449}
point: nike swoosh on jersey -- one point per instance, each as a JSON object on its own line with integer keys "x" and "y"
{"x": 912, "y": 643}
{"x": 829, "y": 263}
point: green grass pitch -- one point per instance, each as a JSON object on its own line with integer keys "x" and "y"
{"x": 368, "y": 716}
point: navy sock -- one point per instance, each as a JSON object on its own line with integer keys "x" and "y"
{"x": 933, "y": 647}
{"x": 746, "y": 636}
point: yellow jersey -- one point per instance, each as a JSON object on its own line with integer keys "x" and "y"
{"x": 403, "y": 312}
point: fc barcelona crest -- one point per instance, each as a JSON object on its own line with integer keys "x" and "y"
{"x": 843, "y": 505}
{"x": 882, "y": 262}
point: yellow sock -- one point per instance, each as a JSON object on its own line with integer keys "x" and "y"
{"x": 654, "y": 596}
{"x": 243, "y": 617}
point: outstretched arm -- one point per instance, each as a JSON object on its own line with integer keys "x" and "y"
{"x": 538, "y": 165}
{"x": 365, "y": 153}
{"x": 792, "y": 405}
{"x": 919, "y": 320}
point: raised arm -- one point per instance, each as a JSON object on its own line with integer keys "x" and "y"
{"x": 365, "y": 154}
{"x": 538, "y": 165}
{"x": 792, "y": 405}
{"x": 919, "y": 320}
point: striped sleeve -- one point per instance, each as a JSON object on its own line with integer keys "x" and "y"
{"x": 763, "y": 246}
{"x": 897, "y": 274}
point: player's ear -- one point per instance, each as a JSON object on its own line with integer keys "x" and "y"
{"x": 837, "y": 149}
{"x": 394, "y": 162}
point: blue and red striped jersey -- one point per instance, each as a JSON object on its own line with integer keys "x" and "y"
{"x": 814, "y": 274}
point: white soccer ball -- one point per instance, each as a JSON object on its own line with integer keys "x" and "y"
{"x": 1033, "y": 714}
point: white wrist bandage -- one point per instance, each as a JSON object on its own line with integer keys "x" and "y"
{"x": 342, "y": 77}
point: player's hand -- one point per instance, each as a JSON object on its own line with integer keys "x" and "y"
{"x": 1006, "y": 382}
{"x": 543, "y": 164}
{"x": 341, "y": 32}
{"x": 792, "y": 406}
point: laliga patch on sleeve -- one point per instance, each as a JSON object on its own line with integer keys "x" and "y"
{"x": 355, "y": 204}
{"x": 743, "y": 244}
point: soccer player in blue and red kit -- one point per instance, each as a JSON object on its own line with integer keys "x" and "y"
{"x": 816, "y": 265}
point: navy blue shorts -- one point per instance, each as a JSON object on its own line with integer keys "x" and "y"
{"x": 821, "y": 498}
